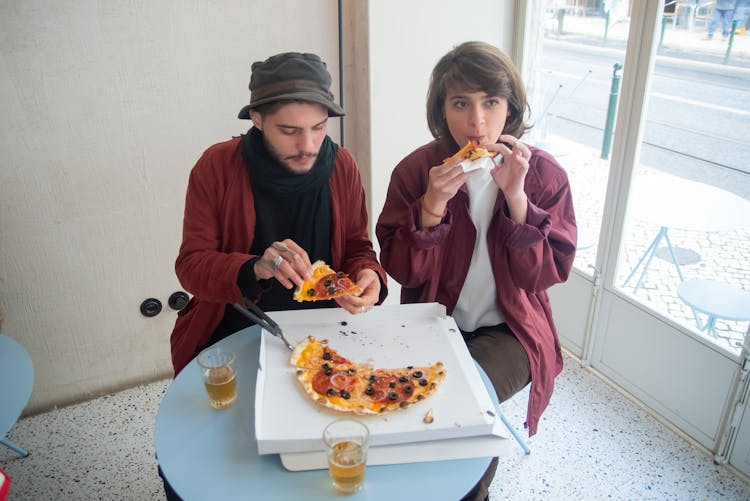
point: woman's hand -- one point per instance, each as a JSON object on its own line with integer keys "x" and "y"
{"x": 510, "y": 175}
{"x": 443, "y": 184}
{"x": 285, "y": 261}
{"x": 369, "y": 281}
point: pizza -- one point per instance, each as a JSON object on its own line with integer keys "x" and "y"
{"x": 473, "y": 157}
{"x": 471, "y": 152}
{"x": 342, "y": 385}
{"x": 325, "y": 284}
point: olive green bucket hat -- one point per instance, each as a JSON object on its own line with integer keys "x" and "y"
{"x": 291, "y": 76}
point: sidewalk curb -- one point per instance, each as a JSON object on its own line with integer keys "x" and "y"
{"x": 724, "y": 69}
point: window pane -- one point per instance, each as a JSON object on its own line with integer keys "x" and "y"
{"x": 581, "y": 48}
{"x": 686, "y": 241}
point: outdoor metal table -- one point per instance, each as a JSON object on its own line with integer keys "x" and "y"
{"x": 716, "y": 300}
{"x": 673, "y": 202}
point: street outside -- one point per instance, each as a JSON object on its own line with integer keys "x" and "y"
{"x": 719, "y": 154}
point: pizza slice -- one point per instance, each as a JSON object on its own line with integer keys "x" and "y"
{"x": 312, "y": 354}
{"x": 342, "y": 385}
{"x": 471, "y": 151}
{"x": 474, "y": 157}
{"x": 325, "y": 284}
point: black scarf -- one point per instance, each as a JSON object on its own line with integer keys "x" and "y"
{"x": 289, "y": 205}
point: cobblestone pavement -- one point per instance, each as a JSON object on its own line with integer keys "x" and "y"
{"x": 723, "y": 256}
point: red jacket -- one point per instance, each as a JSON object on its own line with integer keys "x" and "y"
{"x": 431, "y": 264}
{"x": 218, "y": 229}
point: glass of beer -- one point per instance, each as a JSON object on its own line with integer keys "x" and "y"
{"x": 346, "y": 442}
{"x": 217, "y": 367}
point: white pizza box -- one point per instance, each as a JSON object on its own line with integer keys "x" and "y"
{"x": 287, "y": 420}
{"x": 497, "y": 444}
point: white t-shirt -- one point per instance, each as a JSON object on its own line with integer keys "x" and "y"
{"x": 477, "y": 303}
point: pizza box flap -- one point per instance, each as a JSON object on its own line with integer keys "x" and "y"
{"x": 287, "y": 420}
{"x": 497, "y": 444}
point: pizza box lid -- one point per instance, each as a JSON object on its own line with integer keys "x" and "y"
{"x": 287, "y": 420}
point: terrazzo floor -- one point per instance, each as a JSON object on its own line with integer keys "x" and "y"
{"x": 592, "y": 444}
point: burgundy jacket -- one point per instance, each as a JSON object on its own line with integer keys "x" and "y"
{"x": 218, "y": 229}
{"x": 431, "y": 264}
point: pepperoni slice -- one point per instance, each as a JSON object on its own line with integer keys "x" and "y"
{"x": 337, "y": 381}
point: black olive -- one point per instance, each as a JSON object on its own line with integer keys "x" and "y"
{"x": 393, "y": 395}
{"x": 325, "y": 365}
{"x": 392, "y": 384}
{"x": 410, "y": 367}
{"x": 422, "y": 382}
{"x": 326, "y": 355}
{"x": 332, "y": 290}
{"x": 352, "y": 371}
{"x": 331, "y": 392}
{"x": 345, "y": 395}
{"x": 417, "y": 374}
{"x": 311, "y": 292}
{"x": 373, "y": 377}
{"x": 328, "y": 282}
{"x": 403, "y": 379}
{"x": 408, "y": 389}
{"x": 370, "y": 390}
{"x": 340, "y": 274}
{"x": 328, "y": 371}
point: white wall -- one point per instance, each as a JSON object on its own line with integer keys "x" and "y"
{"x": 105, "y": 108}
{"x": 406, "y": 40}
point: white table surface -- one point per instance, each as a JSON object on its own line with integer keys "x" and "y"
{"x": 210, "y": 454}
{"x": 16, "y": 382}
{"x": 674, "y": 202}
{"x": 716, "y": 299}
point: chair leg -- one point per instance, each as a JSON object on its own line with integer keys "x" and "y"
{"x": 513, "y": 431}
{"x": 20, "y": 450}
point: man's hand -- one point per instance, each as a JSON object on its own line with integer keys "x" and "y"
{"x": 285, "y": 261}
{"x": 369, "y": 281}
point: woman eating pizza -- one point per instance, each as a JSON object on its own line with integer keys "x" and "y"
{"x": 485, "y": 242}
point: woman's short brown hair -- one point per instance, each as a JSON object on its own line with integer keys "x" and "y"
{"x": 476, "y": 67}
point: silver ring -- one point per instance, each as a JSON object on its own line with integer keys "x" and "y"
{"x": 277, "y": 262}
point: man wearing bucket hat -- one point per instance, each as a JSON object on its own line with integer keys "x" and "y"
{"x": 261, "y": 206}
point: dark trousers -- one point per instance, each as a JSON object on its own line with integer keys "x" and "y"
{"x": 501, "y": 356}
{"x": 168, "y": 491}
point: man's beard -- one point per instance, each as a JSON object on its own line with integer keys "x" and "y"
{"x": 284, "y": 161}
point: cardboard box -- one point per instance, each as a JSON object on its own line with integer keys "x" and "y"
{"x": 393, "y": 336}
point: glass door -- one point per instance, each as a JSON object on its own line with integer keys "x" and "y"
{"x": 651, "y": 124}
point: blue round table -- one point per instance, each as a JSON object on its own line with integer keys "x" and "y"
{"x": 16, "y": 384}
{"x": 210, "y": 454}
{"x": 716, "y": 300}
